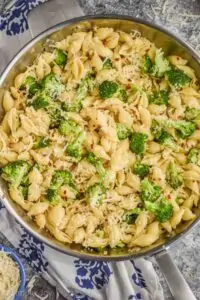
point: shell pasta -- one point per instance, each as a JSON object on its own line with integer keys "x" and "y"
{"x": 99, "y": 142}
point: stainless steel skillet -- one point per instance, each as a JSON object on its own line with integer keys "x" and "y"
{"x": 171, "y": 44}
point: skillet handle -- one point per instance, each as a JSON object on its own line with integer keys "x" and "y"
{"x": 177, "y": 284}
{"x": 51, "y": 13}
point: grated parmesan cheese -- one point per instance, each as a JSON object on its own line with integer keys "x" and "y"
{"x": 9, "y": 277}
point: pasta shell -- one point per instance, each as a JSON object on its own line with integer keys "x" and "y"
{"x": 38, "y": 208}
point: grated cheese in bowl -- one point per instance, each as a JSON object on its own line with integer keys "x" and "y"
{"x": 12, "y": 275}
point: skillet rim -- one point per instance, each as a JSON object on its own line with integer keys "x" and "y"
{"x": 4, "y": 74}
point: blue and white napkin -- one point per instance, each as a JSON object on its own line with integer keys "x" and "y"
{"x": 85, "y": 280}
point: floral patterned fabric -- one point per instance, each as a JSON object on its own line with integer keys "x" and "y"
{"x": 86, "y": 280}
{"x": 14, "y": 21}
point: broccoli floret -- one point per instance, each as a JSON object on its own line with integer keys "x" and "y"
{"x": 74, "y": 151}
{"x": 60, "y": 57}
{"x": 161, "y": 64}
{"x": 167, "y": 140}
{"x": 59, "y": 178}
{"x": 162, "y": 209}
{"x": 107, "y": 89}
{"x": 131, "y": 215}
{"x": 72, "y": 106}
{"x": 75, "y": 148}
{"x": 161, "y": 136}
{"x": 24, "y": 190}
{"x": 177, "y": 78}
{"x": 183, "y": 128}
{"x": 15, "y": 171}
{"x": 69, "y": 128}
{"x": 159, "y": 98}
{"x": 42, "y": 142}
{"x": 147, "y": 67}
{"x": 41, "y": 101}
{"x": 52, "y": 86}
{"x": 123, "y": 132}
{"x": 55, "y": 113}
{"x": 122, "y": 94}
{"x": 31, "y": 85}
{"x": 95, "y": 194}
{"x": 173, "y": 177}
{"x": 159, "y": 67}
{"x": 91, "y": 158}
{"x": 137, "y": 142}
{"x": 86, "y": 85}
{"x": 149, "y": 191}
{"x": 52, "y": 196}
{"x": 107, "y": 64}
{"x": 156, "y": 129}
{"x": 141, "y": 170}
{"x": 193, "y": 156}
{"x": 192, "y": 114}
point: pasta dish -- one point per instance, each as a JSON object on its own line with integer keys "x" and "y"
{"x": 99, "y": 142}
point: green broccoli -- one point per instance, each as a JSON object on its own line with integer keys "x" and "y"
{"x": 183, "y": 128}
{"x": 193, "y": 156}
{"x": 161, "y": 64}
{"x": 95, "y": 194}
{"x": 52, "y": 196}
{"x": 192, "y": 114}
{"x": 161, "y": 136}
{"x": 149, "y": 191}
{"x": 141, "y": 170}
{"x": 159, "y": 98}
{"x": 75, "y": 148}
{"x": 59, "y": 178}
{"x": 107, "y": 64}
{"x": 86, "y": 85}
{"x": 131, "y": 215}
{"x": 60, "y": 57}
{"x": 177, "y": 78}
{"x": 91, "y": 158}
{"x": 122, "y": 94}
{"x": 31, "y": 85}
{"x": 72, "y": 106}
{"x": 108, "y": 89}
{"x": 14, "y": 172}
{"x": 137, "y": 142}
{"x": 156, "y": 129}
{"x": 147, "y": 67}
{"x": 162, "y": 209}
{"x": 167, "y": 140}
{"x": 42, "y": 142}
{"x": 173, "y": 177}
{"x": 55, "y": 113}
{"x": 24, "y": 190}
{"x": 52, "y": 86}
{"x": 159, "y": 67}
{"x": 69, "y": 128}
{"x": 123, "y": 132}
{"x": 41, "y": 101}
